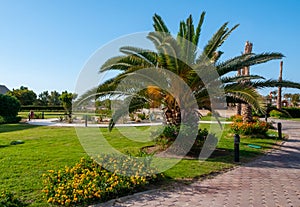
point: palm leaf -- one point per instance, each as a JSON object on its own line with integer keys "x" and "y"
{"x": 159, "y": 25}
{"x": 275, "y": 83}
{"x": 198, "y": 29}
{"x": 246, "y": 61}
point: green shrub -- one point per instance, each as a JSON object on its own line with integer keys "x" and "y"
{"x": 213, "y": 114}
{"x": 9, "y": 106}
{"x": 209, "y": 114}
{"x": 89, "y": 182}
{"x": 38, "y": 115}
{"x": 170, "y": 133}
{"x": 278, "y": 114}
{"x": 10, "y": 119}
{"x": 2, "y": 120}
{"x": 198, "y": 144}
{"x": 293, "y": 111}
{"x": 8, "y": 199}
{"x": 142, "y": 116}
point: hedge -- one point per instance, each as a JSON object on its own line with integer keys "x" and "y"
{"x": 293, "y": 111}
{"x": 42, "y": 108}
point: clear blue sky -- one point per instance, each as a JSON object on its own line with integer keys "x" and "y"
{"x": 45, "y": 44}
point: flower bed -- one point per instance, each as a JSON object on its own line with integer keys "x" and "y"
{"x": 256, "y": 127}
{"x": 89, "y": 182}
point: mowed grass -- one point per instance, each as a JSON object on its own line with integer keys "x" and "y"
{"x": 45, "y": 148}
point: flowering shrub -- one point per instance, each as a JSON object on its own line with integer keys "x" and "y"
{"x": 87, "y": 181}
{"x": 255, "y": 127}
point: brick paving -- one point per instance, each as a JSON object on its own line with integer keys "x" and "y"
{"x": 272, "y": 180}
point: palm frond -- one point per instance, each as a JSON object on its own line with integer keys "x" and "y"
{"x": 198, "y": 29}
{"x": 147, "y": 55}
{"x": 240, "y": 78}
{"x": 159, "y": 25}
{"x": 169, "y": 52}
{"x": 245, "y": 93}
{"x": 156, "y": 38}
{"x": 114, "y": 63}
{"x": 216, "y": 41}
{"x": 246, "y": 61}
{"x": 275, "y": 83}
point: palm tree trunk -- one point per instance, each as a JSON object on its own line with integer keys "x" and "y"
{"x": 239, "y": 105}
{"x": 239, "y": 109}
{"x": 246, "y": 108}
{"x": 279, "y": 88}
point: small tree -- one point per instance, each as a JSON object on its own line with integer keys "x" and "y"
{"x": 43, "y": 98}
{"x": 66, "y": 99}
{"x": 9, "y": 108}
{"x": 24, "y": 95}
{"x": 54, "y": 98}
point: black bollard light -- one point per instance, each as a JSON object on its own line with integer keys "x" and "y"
{"x": 279, "y": 128}
{"x": 85, "y": 120}
{"x": 43, "y": 116}
{"x": 266, "y": 117}
{"x": 236, "y": 148}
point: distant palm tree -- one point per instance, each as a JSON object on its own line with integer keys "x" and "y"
{"x": 180, "y": 56}
{"x": 288, "y": 96}
{"x": 295, "y": 99}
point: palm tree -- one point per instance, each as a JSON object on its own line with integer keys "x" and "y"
{"x": 180, "y": 56}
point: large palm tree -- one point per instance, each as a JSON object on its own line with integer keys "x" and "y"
{"x": 207, "y": 78}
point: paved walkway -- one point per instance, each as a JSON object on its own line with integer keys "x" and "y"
{"x": 272, "y": 180}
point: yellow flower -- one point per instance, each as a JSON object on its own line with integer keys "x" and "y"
{"x": 50, "y": 200}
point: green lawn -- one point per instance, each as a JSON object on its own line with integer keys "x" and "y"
{"x": 45, "y": 148}
{"x": 294, "y": 119}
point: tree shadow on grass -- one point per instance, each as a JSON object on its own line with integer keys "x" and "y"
{"x": 3, "y": 145}
{"x": 16, "y": 127}
{"x": 227, "y": 156}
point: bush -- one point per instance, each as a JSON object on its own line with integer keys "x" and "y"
{"x": 236, "y": 118}
{"x": 170, "y": 133}
{"x": 278, "y": 114}
{"x": 8, "y": 199}
{"x": 9, "y": 119}
{"x": 9, "y": 106}
{"x": 142, "y": 116}
{"x": 2, "y": 120}
{"x": 256, "y": 127}
{"x": 198, "y": 144}
{"x": 88, "y": 182}
{"x": 294, "y": 112}
{"x": 38, "y": 115}
{"x": 213, "y": 114}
